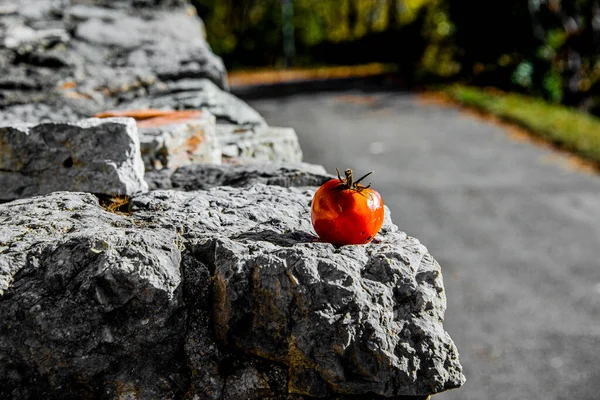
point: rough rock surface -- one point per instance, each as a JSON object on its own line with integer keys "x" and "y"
{"x": 260, "y": 142}
{"x": 159, "y": 179}
{"x": 172, "y": 144}
{"x": 101, "y": 299}
{"x": 92, "y": 155}
{"x": 205, "y": 176}
{"x": 78, "y": 59}
{"x": 200, "y": 94}
{"x": 64, "y": 60}
{"x": 216, "y": 293}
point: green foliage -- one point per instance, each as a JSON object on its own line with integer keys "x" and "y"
{"x": 553, "y": 85}
{"x": 243, "y": 32}
{"x": 552, "y": 45}
{"x": 569, "y": 128}
{"x": 523, "y": 74}
{"x": 249, "y": 32}
{"x": 544, "y": 48}
{"x": 439, "y": 56}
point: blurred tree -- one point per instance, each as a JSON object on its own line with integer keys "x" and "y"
{"x": 244, "y": 32}
{"x": 392, "y": 13}
{"x": 249, "y": 32}
{"x": 440, "y": 54}
{"x": 493, "y": 36}
{"x": 569, "y": 33}
{"x": 287, "y": 15}
{"x": 548, "y": 48}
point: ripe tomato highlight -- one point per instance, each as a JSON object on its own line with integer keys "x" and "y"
{"x": 345, "y": 212}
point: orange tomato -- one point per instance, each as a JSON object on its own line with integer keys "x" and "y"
{"x": 345, "y": 212}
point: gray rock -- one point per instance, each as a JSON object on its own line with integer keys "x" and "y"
{"x": 20, "y": 35}
{"x": 247, "y": 383}
{"x": 215, "y": 293}
{"x": 92, "y": 57}
{"x": 7, "y": 9}
{"x": 40, "y": 9}
{"x": 179, "y": 51}
{"x": 84, "y": 12}
{"x": 125, "y": 33}
{"x": 90, "y": 299}
{"x": 93, "y": 155}
{"x": 159, "y": 179}
{"x": 171, "y": 44}
{"x": 36, "y": 113}
{"x": 199, "y": 94}
{"x": 205, "y": 176}
{"x": 172, "y": 144}
{"x": 263, "y": 143}
{"x": 65, "y": 60}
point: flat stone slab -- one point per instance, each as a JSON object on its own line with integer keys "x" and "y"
{"x": 171, "y": 139}
{"x": 93, "y": 155}
{"x": 198, "y": 94}
{"x": 217, "y": 294}
{"x": 276, "y": 144}
{"x": 205, "y": 176}
{"x": 174, "y": 144}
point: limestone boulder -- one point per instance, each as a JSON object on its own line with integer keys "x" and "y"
{"x": 213, "y": 294}
{"x": 205, "y": 176}
{"x": 92, "y": 155}
{"x": 275, "y": 144}
{"x": 66, "y": 60}
{"x": 79, "y": 58}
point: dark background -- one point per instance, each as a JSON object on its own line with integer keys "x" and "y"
{"x": 545, "y": 48}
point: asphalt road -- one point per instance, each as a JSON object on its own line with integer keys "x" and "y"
{"x": 515, "y": 229}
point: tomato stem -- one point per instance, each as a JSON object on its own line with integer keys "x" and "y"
{"x": 363, "y": 177}
{"x": 349, "y": 182}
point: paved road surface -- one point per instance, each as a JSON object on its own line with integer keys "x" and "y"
{"x": 516, "y": 232}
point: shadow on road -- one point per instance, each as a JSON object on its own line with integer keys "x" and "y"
{"x": 389, "y": 82}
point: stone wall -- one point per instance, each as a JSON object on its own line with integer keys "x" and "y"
{"x": 214, "y": 286}
{"x": 64, "y": 60}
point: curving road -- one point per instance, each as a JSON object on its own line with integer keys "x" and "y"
{"x": 515, "y": 229}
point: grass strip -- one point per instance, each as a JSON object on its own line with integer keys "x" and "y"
{"x": 271, "y": 76}
{"x": 567, "y": 128}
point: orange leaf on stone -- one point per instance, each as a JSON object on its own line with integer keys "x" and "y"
{"x": 68, "y": 85}
{"x": 161, "y": 117}
{"x": 168, "y": 119}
